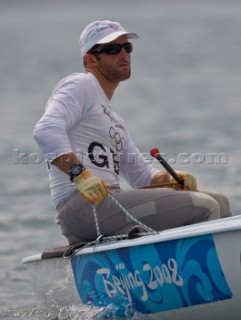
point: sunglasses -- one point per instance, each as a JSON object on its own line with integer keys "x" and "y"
{"x": 113, "y": 48}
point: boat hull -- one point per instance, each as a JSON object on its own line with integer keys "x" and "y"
{"x": 187, "y": 273}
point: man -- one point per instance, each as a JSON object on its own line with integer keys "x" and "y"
{"x": 88, "y": 147}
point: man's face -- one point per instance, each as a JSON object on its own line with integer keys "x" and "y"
{"x": 115, "y": 67}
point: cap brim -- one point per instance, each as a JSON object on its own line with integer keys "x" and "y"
{"x": 115, "y": 35}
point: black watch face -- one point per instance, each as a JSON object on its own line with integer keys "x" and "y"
{"x": 76, "y": 169}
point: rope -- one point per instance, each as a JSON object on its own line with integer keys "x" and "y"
{"x": 145, "y": 227}
{"x": 71, "y": 251}
{"x": 161, "y": 185}
{"x": 96, "y": 220}
{"x": 100, "y": 236}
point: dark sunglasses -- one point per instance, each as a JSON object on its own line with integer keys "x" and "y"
{"x": 113, "y": 48}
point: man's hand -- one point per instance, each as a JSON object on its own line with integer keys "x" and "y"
{"x": 189, "y": 180}
{"x": 160, "y": 177}
{"x": 92, "y": 188}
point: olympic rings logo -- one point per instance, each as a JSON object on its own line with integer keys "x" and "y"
{"x": 116, "y": 139}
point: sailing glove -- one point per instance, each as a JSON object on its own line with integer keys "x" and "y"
{"x": 189, "y": 180}
{"x": 92, "y": 188}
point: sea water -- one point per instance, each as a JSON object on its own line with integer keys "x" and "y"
{"x": 184, "y": 97}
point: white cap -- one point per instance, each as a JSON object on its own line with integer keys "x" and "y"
{"x": 99, "y": 32}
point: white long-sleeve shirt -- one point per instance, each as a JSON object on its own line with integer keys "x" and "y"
{"x": 79, "y": 118}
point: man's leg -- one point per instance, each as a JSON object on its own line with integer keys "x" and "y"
{"x": 159, "y": 209}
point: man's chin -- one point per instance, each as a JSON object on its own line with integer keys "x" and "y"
{"x": 125, "y": 76}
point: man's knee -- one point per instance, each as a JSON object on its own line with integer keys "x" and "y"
{"x": 211, "y": 208}
{"x": 222, "y": 201}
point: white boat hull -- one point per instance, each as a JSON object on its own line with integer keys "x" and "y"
{"x": 192, "y": 272}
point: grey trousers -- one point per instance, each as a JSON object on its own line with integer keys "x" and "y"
{"x": 159, "y": 209}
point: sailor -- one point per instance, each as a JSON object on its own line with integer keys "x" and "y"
{"x": 88, "y": 148}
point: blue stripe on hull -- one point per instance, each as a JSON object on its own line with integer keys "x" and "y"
{"x": 152, "y": 278}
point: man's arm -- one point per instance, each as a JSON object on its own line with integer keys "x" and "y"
{"x": 65, "y": 161}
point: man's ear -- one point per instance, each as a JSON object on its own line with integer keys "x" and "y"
{"x": 90, "y": 60}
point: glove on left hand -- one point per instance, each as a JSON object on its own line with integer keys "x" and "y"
{"x": 189, "y": 180}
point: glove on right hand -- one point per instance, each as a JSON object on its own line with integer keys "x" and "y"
{"x": 92, "y": 188}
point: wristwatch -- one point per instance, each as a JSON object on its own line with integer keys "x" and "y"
{"x": 75, "y": 170}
